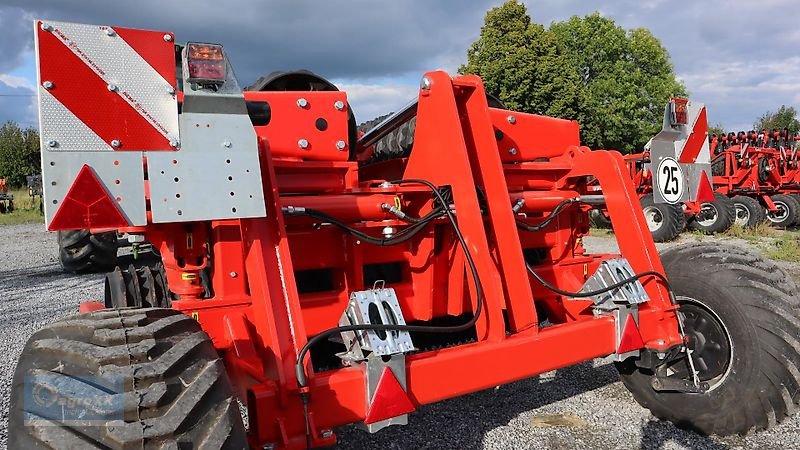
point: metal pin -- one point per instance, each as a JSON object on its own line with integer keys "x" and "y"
{"x": 116, "y": 143}
{"x": 48, "y": 85}
{"x": 341, "y": 145}
{"x": 168, "y": 37}
{"x": 302, "y": 143}
{"x": 301, "y": 102}
{"x": 339, "y": 105}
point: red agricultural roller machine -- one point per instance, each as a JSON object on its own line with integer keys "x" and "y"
{"x": 6, "y": 198}
{"x": 666, "y": 212}
{"x": 317, "y": 286}
{"x": 757, "y": 170}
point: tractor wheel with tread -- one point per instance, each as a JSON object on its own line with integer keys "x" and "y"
{"x": 665, "y": 221}
{"x": 156, "y": 368}
{"x": 741, "y": 319}
{"x": 749, "y": 212}
{"x": 715, "y": 217}
{"x": 80, "y": 251}
{"x": 141, "y": 287}
{"x": 788, "y": 212}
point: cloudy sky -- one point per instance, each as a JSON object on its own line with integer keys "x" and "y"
{"x": 740, "y": 57}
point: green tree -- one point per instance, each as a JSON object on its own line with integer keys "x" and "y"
{"x": 784, "y": 117}
{"x": 19, "y": 153}
{"x": 522, "y": 63}
{"x": 615, "y": 82}
{"x": 717, "y": 129}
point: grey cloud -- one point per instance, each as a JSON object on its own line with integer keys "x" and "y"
{"x": 18, "y": 105}
{"x": 17, "y": 31}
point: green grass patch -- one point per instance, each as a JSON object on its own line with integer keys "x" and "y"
{"x": 601, "y": 232}
{"x": 784, "y": 248}
{"x": 26, "y": 209}
{"x": 755, "y": 234}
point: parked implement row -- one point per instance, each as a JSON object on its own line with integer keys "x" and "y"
{"x": 341, "y": 289}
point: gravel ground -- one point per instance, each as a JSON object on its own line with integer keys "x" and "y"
{"x": 583, "y": 406}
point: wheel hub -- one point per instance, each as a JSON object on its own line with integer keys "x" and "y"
{"x": 742, "y": 215}
{"x": 708, "y": 215}
{"x": 653, "y": 217}
{"x": 708, "y": 341}
{"x": 781, "y": 214}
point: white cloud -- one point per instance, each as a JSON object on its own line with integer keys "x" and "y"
{"x": 15, "y": 81}
{"x": 373, "y": 99}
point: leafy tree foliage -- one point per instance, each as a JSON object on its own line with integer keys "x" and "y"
{"x": 615, "y": 82}
{"x": 784, "y": 117}
{"x": 19, "y": 153}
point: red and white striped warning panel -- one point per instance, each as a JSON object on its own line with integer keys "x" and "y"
{"x": 106, "y": 95}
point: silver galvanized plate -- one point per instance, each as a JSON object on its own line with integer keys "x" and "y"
{"x": 215, "y": 175}
{"x": 121, "y": 173}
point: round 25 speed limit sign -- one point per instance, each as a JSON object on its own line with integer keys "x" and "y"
{"x": 670, "y": 180}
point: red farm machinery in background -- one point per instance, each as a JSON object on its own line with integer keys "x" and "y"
{"x": 319, "y": 286}
{"x": 758, "y": 170}
{"x": 6, "y": 198}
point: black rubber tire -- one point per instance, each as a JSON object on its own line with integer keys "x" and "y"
{"x": 599, "y": 219}
{"x": 3, "y": 208}
{"x": 80, "y": 251}
{"x": 757, "y": 304}
{"x": 671, "y": 218}
{"x": 792, "y": 208}
{"x": 723, "y": 216}
{"x": 755, "y": 213}
{"x": 142, "y": 287}
{"x": 176, "y": 391}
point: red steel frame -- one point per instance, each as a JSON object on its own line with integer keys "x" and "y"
{"x": 741, "y": 162}
{"x": 259, "y": 320}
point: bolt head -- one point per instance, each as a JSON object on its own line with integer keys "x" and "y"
{"x": 52, "y": 144}
{"x": 116, "y": 143}
{"x": 511, "y": 119}
{"x": 425, "y": 84}
{"x": 339, "y": 105}
{"x": 512, "y": 151}
{"x": 112, "y": 87}
{"x": 234, "y": 274}
{"x": 326, "y": 434}
{"x": 302, "y": 143}
{"x": 110, "y": 32}
{"x": 171, "y": 90}
{"x": 48, "y": 85}
{"x": 168, "y": 37}
{"x": 173, "y": 143}
{"x": 226, "y": 144}
{"x": 46, "y": 27}
{"x": 302, "y": 103}
{"x": 341, "y": 145}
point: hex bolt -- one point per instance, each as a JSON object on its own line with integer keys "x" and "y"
{"x": 511, "y": 119}
{"x": 110, "y": 32}
{"x": 512, "y": 151}
{"x": 234, "y": 274}
{"x": 339, "y": 105}
{"x": 173, "y": 143}
{"x": 168, "y": 37}
{"x": 226, "y": 144}
{"x": 341, "y": 145}
{"x": 52, "y": 144}
{"x": 116, "y": 143}
{"x": 46, "y": 27}
{"x": 48, "y": 84}
{"x": 425, "y": 83}
{"x": 302, "y": 143}
{"x": 112, "y": 87}
{"x": 301, "y": 102}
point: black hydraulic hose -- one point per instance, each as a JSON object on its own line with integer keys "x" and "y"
{"x": 300, "y": 370}
{"x": 544, "y": 223}
{"x": 616, "y": 285}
